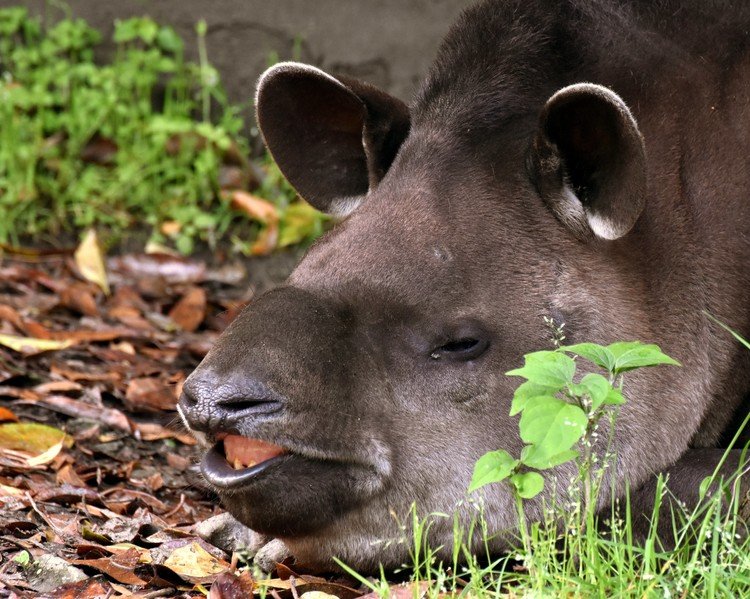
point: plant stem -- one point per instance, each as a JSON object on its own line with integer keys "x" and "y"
{"x": 525, "y": 538}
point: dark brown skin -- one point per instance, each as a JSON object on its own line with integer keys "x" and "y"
{"x": 509, "y": 190}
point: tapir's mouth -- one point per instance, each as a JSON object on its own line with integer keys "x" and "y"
{"x": 235, "y": 460}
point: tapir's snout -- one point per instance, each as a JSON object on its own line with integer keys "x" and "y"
{"x": 212, "y": 402}
{"x": 271, "y": 400}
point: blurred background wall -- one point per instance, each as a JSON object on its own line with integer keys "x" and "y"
{"x": 387, "y": 42}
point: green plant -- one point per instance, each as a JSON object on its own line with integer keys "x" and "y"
{"x": 146, "y": 138}
{"x": 559, "y": 417}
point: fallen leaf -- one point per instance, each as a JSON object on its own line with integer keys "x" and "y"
{"x": 29, "y": 346}
{"x": 188, "y": 313}
{"x": 57, "y": 387}
{"x": 171, "y": 269}
{"x": 150, "y": 394}
{"x": 11, "y": 315}
{"x": 32, "y": 437}
{"x": 263, "y": 212}
{"x": 79, "y": 409}
{"x": 7, "y": 416}
{"x": 90, "y": 261}
{"x": 119, "y": 566}
{"x": 78, "y": 297}
{"x": 230, "y": 586}
{"x": 68, "y": 476}
{"x": 90, "y": 588}
{"x": 194, "y": 563}
{"x": 170, "y": 228}
{"x": 7, "y": 491}
{"x": 46, "y": 456}
{"x": 151, "y": 431}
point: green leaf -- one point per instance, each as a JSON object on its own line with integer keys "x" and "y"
{"x": 552, "y": 425}
{"x": 492, "y": 467}
{"x": 525, "y": 392}
{"x": 598, "y": 354}
{"x": 533, "y": 457}
{"x": 597, "y": 388}
{"x": 547, "y": 368}
{"x": 614, "y": 398}
{"x": 634, "y": 354}
{"x": 168, "y": 39}
{"x": 528, "y": 484}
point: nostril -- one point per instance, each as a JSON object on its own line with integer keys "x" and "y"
{"x": 210, "y": 401}
{"x": 247, "y": 404}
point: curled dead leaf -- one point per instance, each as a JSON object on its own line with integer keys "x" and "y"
{"x": 90, "y": 261}
{"x": 188, "y": 313}
{"x": 264, "y": 212}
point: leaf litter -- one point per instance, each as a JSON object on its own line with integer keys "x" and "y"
{"x": 100, "y": 494}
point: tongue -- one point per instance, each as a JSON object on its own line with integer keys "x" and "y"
{"x": 242, "y": 452}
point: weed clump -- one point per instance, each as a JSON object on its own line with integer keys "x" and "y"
{"x": 144, "y": 138}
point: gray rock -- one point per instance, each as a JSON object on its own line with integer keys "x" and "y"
{"x": 48, "y": 572}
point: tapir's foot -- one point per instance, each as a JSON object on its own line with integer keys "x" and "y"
{"x": 271, "y": 554}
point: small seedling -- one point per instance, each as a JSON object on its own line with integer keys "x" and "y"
{"x": 559, "y": 416}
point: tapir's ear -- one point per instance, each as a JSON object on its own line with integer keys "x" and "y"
{"x": 589, "y": 161}
{"x": 333, "y": 138}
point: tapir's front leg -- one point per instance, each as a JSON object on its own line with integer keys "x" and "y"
{"x": 684, "y": 479}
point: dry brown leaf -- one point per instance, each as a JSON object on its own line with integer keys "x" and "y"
{"x": 265, "y": 213}
{"x": 189, "y": 312}
{"x": 57, "y": 387}
{"x": 80, "y": 409}
{"x": 150, "y": 394}
{"x": 119, "y": 566}
{"x": 78, "y": 297}
{"x": 230, "y": 586}
{"x": 170, "y": 228}
{"x": 84, "y": 589}
{"x": 90, "y": 261}
{"x": 68, "y": 476}
{"x": 151, "y": 431}
{"x": 11, "y": 315}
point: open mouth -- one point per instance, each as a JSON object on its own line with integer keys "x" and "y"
{"x": 235, "y": 460}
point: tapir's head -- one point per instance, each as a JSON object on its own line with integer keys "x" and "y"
{"x": 373, "y": 378}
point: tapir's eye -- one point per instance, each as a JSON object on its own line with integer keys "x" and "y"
{"x": 466, "y": 348}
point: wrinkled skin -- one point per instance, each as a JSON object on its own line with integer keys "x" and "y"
{"x": 379, "y": 364}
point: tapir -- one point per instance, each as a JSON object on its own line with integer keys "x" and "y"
{"x": 587, "y": 161}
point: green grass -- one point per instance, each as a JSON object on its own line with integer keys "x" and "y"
{"x": 710, "y": 559}
{"x": 144, "y": 139}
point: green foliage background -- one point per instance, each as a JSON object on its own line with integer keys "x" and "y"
{"x": 139, "y": 139}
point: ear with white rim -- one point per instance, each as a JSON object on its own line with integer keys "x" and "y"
{"x": 588, "y": 162}
{"x": 333, "y": 138}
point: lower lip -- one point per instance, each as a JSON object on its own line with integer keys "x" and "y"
{"x": 221, "y": 474}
